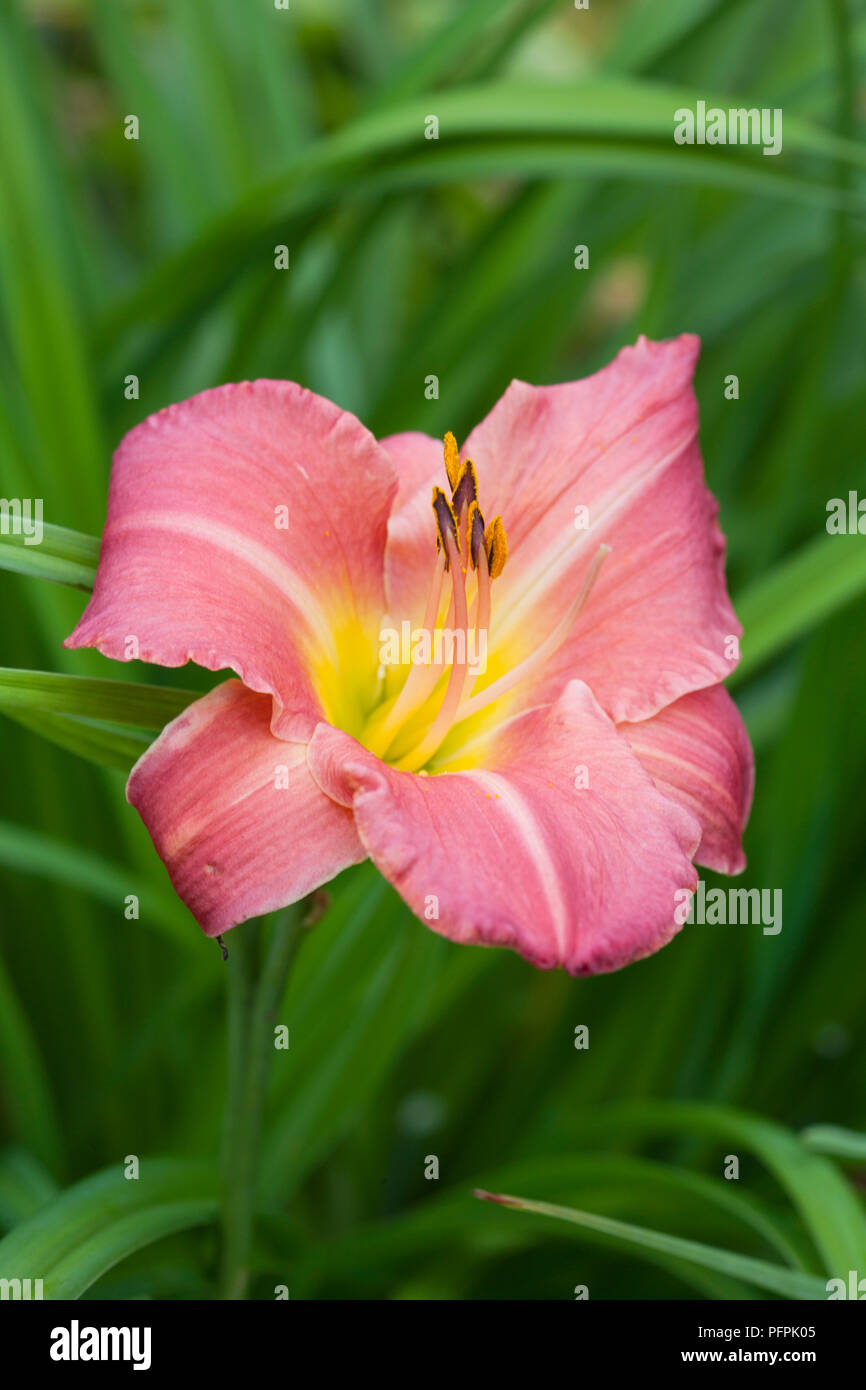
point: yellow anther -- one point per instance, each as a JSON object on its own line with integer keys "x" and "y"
{"x": 496, "y": 543}
{"x": 452, "y": 460}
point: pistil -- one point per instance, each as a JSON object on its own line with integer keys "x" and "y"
{"x": 457, "y": 679}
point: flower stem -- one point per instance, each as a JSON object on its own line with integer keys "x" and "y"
{"x": 260, "y": 959}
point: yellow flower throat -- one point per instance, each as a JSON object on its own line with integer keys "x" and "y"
{"x": 408, "y": 728}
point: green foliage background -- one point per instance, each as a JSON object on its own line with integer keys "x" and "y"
{"x": 411, "y": 257}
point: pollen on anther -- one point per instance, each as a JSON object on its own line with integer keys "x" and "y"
{"x": 496, "y": 542}
{"x": 452, "y": 460}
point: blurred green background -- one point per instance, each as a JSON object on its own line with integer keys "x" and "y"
{"x": 411, "y": 257}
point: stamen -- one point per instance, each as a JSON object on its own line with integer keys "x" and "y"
{"x": 497, "y": 547}
{"x": 460, "y": 531}
{"x": 422, "y": 679}
{"x": 465, "y": 493}
{"x": 452, "y": 460}
{"x": 456, "y": 681}
{"x": 551, "y": 643}
{"x": 478, "y": 555}
{"x": 446, "y": 523}
{"x": 475, "y": 528}
{"x": 466, "y": 489}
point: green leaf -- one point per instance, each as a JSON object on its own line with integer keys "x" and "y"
{"x": 798, "y": 594}
{"x": 99, "y": 743}
{"x": 786, "y": 1282}
{"x": 25, "y": 1186}
{"x": 349, "y": 1023}
{"x": 447, "y": 45}
{"x": 120, "y": 702}
{"x": 34, "y": 853}
{"x": 101, "y": 1220}
{"x": 828, "y": 1206}
{"x": 835, "y": 1141}
{"x": 650, "y": 31}
{"x": 66, "y": 557}
{"x": 379, "y": 1250}
{"x": 606, "y": 127}
{"x": 185, "y": 180}
{"x": 44, "y": 333}
{"x": 27, "y": 1097}
{"x": 102, "y": 721}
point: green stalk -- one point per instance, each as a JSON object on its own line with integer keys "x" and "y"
{"x": 258, "y": 965}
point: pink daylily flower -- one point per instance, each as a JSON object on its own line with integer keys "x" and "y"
{"x": 554, "y": 798}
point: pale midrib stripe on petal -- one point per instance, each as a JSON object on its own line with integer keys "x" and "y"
{"x": 563, "y": 559}
{"x": 184, "y": 834}
{"x": 301, "y": 597}
{"x": 694, "y": 773}
{"x": 522, "y": 818}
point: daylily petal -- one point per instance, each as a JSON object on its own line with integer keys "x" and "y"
{"x": 234, "y": 813}
{"x": 246, "y": 529}
{"x": 418, "y": 461}
{"x": 521, "y": 853}
{"x": 698, "y": 752}
{"x": 622, "y": 444}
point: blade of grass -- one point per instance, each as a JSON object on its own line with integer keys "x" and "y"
{"x": 447, "y": 46}
{"x": 835, "y": 1141}
{"x": 71, "y": 866}
{"x": 63, "y": 556}
{"x": 798, "y": 594}
{"x": 25, "y": 1187}
{"x": 827, "y": 1205}
{"x": 516, "y": 131}
{"x": 775, "y": 1278}
{"x": 101, "y": 1220}
{"x": 26, "y": 1092}
{"x": 379, "y": 1249}
{"x": 119, "y": 702}
{"x": 42, "y": 315}
{"x": 102, "y": 744}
